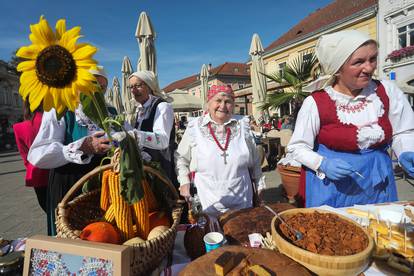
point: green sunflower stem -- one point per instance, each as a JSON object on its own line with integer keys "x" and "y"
{"x": 102, "y": 118}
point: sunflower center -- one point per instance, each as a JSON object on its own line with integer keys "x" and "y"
{"x": 55, "y": 66}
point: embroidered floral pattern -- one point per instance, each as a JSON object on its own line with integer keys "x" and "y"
{"x": 220, "y": 133}
{"x": 83, "y": 120}
{"x": 348, "y": 108}
{"x": 362, "y": 111}
{"x": 44, "y": 262}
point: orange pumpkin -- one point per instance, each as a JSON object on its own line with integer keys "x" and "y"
{"x": 158, "y": 219}
{"x": 100, "y": 232}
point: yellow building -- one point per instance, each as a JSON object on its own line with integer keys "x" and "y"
{"x": 338, "y": 15}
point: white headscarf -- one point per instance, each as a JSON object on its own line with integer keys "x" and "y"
{"x": 99, "y": 71}
{"x": 151, "y": 80}
{"x": 332, "y": 51}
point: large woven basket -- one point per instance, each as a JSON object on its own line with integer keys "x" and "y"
{"x": 75, "y": 212}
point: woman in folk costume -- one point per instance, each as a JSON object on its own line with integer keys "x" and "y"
{"x": 221, "y": 151}
{"x": 25, "y": 132}
{"x": 345, "y": 127}
{"x": 154, "y": 126}
{"x": 70, "y": 147}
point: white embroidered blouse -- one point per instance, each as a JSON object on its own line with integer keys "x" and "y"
{"x": 367, "y": 109}
{"x": 187, "y": 147}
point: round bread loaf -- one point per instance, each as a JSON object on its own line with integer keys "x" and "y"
{"x": 276, "y": 263}
{"x": 237, "y": 225}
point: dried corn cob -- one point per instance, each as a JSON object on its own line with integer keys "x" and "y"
{"x": 104, "y": 202}
{"x": 122, "y": 210}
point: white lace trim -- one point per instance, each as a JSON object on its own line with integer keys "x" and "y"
{"x": 366, "y": 118}
{"x": 83, "y": 120}
{"x": 369, "y": 135}
{"x": 72, "y": 153}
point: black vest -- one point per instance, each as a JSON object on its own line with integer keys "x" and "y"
{"x": 167, "y": 165}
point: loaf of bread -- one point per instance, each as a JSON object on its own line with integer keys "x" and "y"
{"x": 224, "y": 263}
{"x": 237, "y": 225}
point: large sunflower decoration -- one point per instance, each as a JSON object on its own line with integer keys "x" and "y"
{"x": 55, "y": 69}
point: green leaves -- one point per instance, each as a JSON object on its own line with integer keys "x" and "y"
{"x": 96, "y": 113}
{"x": 131, "y": 170}
{"x": 292, "y": 79}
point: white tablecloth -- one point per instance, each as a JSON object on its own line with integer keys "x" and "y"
{"x": 180, "y": 258}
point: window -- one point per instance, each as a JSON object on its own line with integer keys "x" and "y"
{"x": 307, "y": 57}
{"x": 282, "y": 68}
{"x": 242, "y": 111}
{"x": 241, "y": 85}
{"x": 236, "y": 69}
{"x": 406, "y": 35}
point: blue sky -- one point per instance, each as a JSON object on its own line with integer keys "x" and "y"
{"x": 189, "y": 32}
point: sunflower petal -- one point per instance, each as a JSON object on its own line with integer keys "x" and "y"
{"x": 42, "y": 34}
{"x": 71, "y": 45}
{"x": 29, "y": 52}
{"x": 86, "y": 63}
{"x": 70, "y": 34}
{"x": 47, "y": 102}
{"x": 87, "y": 51}
{"x": 60, "y": 28}
{"x": 26, "y": 66}
{"x": 26, "y": 87}
{"x": 36, "y": 97}
{"x": 27, "y": 79}
{"x": 85, "y": 75}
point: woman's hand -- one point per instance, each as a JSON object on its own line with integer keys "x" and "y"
{"x": 406, "y": 161}
{"x": 95, "y": 144}
{"x": 336, "y": 169}
{"x": 185, "y": 191}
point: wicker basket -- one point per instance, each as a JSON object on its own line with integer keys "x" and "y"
{"x": 75, "y": 212}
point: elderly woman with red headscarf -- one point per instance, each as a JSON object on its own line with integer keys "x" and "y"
{"x": 346, "y": 125}
{"x": 221, "y": 151}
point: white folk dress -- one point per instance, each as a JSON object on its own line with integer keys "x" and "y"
{"x": 221, "y": 184}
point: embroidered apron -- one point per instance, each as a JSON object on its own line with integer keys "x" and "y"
{"x": 222, "y": 186}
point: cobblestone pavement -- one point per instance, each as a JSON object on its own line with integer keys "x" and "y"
{"x": 21, "y": 216}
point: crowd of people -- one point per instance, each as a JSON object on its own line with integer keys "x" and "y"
{"x": 340, "y": 137}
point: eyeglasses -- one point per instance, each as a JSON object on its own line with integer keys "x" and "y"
{"x": 136, "y": 86}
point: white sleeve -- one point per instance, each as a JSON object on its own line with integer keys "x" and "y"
{"x": 401, "y": 117}
{"x": 183, "y": 155}
{"x": 306, "y": 129}
{"x": 48, "y": 151}
{"x": 159, "y": 139}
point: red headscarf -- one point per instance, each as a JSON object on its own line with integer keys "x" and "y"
{"x": 216, "y": 89}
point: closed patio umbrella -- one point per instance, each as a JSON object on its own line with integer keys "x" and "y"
{"x": 117, "y": 101}
{"x": 259, "y": 85}
{"x": 145, "y": 35}
{"x": 184, "y": 102}
{"x": 204, "y": 84}
{"x": 129, "y": 106}
{"x": 109, "y": 96}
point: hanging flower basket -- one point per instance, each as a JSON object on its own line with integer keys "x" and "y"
{"x": 401, "y": 53}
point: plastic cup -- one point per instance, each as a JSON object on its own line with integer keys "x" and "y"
{"x": 213, "y": 240}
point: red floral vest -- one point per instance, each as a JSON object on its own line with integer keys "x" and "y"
{"x": 343, "y": 137}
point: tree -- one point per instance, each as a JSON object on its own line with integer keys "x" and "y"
{"x": 292, "y": 79}
{"x": 14, "y": 61}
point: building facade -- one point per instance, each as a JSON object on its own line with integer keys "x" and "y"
{"x": 301, "y": 39}
{"x": 396, "y": 41}
{"x": 11, "y": 105}
{"x": 237, "y": 75}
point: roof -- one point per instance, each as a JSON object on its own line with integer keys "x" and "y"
{"x": 225, "y": 69}
{"x": 334, "y": 12}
